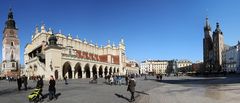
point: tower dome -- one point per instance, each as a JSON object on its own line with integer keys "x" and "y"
{"x": 10, "y": 23}
{"x": 52, "y": 40}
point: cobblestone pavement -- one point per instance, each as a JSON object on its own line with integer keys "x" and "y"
{"x": 169, "y": 90}
{"x": 195, "y": 90}
{"x": 77, "y": 91}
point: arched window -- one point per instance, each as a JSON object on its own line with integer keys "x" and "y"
{"x": 13, "y": 65}
{"x": 12, "y": 43}
{"x": 12, "y": 55}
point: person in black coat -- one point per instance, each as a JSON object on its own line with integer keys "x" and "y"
{"x": 51, "y": 88}
{"x": 40, "y": 85}
{"x": 65, "y": 79}
{"x": 131, "y": 87}
{"x": 19, "y": 82}
{"x": 24, "y": 78}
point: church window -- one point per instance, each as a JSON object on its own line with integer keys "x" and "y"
{"x": 3, "y": 65}
{"x": 70, "y": 52}
{"x": 12, "y": 55}
{"x": 11, "y": 43}
{"x": 13, "y": 64}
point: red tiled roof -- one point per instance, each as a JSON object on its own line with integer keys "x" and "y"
{"x": 95, "y": 57}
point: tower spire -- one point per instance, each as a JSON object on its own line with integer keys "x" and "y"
{"x": 207, "y": 25}
{"x": 217, "y": 25}
{"x": 218, "y": 30}
{"x": 10, "y": 14}
{"x": 36, "y": 29}
{"x": 10, "y": 23}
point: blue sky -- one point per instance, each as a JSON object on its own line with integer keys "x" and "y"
{"x": 152, "y": 29}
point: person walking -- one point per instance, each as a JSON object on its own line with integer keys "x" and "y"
{"x": 119, "y": 80}
{"x": 65, "y": 79}
{"x": 111, "y": 80}
{"x": 126, "y": 79}
{"x": 40, "y": 85}
{"x": 25, "y": 82}
{"x": 51, "y": 88}
{"x": 95, "y": 78}
{"x": 19, "y": 82}
{"x": 161, "y": 76}
{"x": 145, "y": 77}
{"x": 131, "y": 87}
{"x": 157, "y": 76}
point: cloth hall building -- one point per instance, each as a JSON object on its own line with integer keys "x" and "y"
{"x": 60, "y": 55}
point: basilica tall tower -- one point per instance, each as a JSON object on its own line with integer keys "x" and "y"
{"x": 11, "y": 47}
{"x": 207, "y": 47}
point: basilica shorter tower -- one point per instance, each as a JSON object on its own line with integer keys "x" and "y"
{"x": 10, "y": 48}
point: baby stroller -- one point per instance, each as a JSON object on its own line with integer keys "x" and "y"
{"x": 34, "y": 96}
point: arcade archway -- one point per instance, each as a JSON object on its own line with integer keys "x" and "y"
{"x": 87, "y": 71}
{"x": 94, "y": 70}
{"x": 110, "y": 71}
{"x": 67, "y": 70}
{"x": 100, "y": 71}
{"x": 106, "y": 71}
{"x": 78, "y": 71}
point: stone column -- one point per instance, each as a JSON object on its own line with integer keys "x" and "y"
{"x": 83, "y": 74}
{"x": 76, "y": 76}
{"x": 91, "y": 74}
{"x": 107, "y": 72}
{"x": 98, "y": 74}
{"x": 73, "y": 74}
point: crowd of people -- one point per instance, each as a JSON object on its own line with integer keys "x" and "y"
{"x": 22, "y": 80}
{"x": 130, "y": 82}
{"x": 118, "y": 79}
{"x": 114, "y": 79}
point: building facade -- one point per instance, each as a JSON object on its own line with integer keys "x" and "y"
{"x": 165, "y": 66}
{"x": 197, "y": 66}
{"x": 10, "y": 48}
{"x": 184, "y": 66}
{"x": 72, "y": 57}
{"x": 213, "y": 47}
{"x": 132, "y": 67}
{"x": 231, "y": 59}
{"x": 154, "y": 67}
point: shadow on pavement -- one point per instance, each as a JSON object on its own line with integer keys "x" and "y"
{"x": 58, "y": 94}
{"x": 121, "y": 96}
{"x": 141, "y": 92}
{"x": 47, "y": 94}
{"x": 9, "y": 91}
